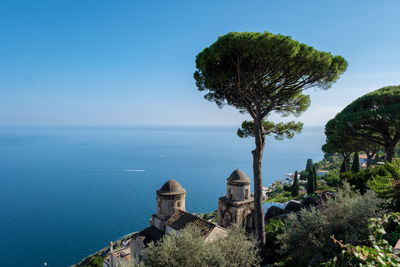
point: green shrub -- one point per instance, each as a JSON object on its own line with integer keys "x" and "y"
{"x": 306, "y": 237}
{"x": 332, "y": 178}
{"x": 188, "y": 248}
{"x": 393, "y": 236}
{"x": 360, "y": 179}
{"x": 280, "y": 198}
{"x": 278, "y": 188}
{"x": 93, "y": 262}
{"x": 383, "y": 180}
{"x": 379, "y": 253}
{"x": 272, "y": 229}
{"x": 330, "y": 162}
{"x": 287, "y": 188}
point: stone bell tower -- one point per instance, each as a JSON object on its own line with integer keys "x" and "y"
{"x": 237, "y": 205}
{"x": 170, "y": 197}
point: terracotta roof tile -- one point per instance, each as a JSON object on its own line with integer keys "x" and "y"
{"x": 180, "y": 219}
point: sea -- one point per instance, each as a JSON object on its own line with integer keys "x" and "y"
{"x": 66, "y": 192}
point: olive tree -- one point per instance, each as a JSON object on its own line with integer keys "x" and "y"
{"x": 189, "y": 248}
{"x": 261, "y": 73}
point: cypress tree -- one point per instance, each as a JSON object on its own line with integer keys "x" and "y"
{"x": 295, "y": 185}
{"x": 315, "y": 177}
{"x": 307, "y": 171}
{"x": 310, "y": 183}
{"x": 355, "y": 167}
{"x": 308, "y": 165}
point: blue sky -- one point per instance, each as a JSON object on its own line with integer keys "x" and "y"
{"x": 83, "y": 62}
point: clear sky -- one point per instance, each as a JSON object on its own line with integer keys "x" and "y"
{"x": 93, "y": 62}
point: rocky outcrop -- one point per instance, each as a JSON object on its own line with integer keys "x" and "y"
{"x": 294, "y": 206}
{"x": 311, "y": 201}
{"x": 297, "y": 206}
{"x": 275, "y": 211}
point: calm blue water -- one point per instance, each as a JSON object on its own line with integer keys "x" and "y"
{"x": 67, "y": 192}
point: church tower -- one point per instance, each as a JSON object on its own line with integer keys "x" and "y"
{"x": 237, "y": 205}
{"x": 170, "y": 197}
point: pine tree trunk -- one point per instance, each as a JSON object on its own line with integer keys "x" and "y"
{"x": 345, "y": 167}
{"x": 389, "y": 153}
{"x": 347, "y": 162}
{"x": 390, "y": 144}
{"x": 356, "y": 163}
{"x": 258, "y": 183}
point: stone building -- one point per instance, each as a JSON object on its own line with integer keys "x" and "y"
{"x": 170, "y": 197}
{"x": 116, "y": 256}
{"x": 237, "y": 205}
{"x": 171, "y": 216}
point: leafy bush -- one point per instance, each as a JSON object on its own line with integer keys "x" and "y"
{"x": 360, "y": 179}
{"x": 272, "y": 230}
{"x": 188, "y": 248}
{"x": 287, "y": 188}
{"x": 278, "y": 188}
{"x": 280, "y": 198}
{"x": 94, "y": 262}
{"x": 379, "y": 253}
{"x": 332, "y": 178}
{"x": 393, "y": 236}
{"x": 383, "y": 180}
{"x": 324, "y": 187}
{"x": 306, "y": 237}
{"x": 303, "y": 175}
{"x": 329, "y": 162}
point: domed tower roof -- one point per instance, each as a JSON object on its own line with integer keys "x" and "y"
{"x": 171, "y": 187}
{"x": 238, "y": 176}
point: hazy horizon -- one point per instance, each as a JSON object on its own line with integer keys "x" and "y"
{"x": 128, "y": 63}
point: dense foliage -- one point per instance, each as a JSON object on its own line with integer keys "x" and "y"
{"x": 306, "y": 236}
{"x": 280, "y": 194}
{"x": 188, "y": 248}
{"x": 379, "y": 253}
{"x": 384, "y": 180}
{"x": 273, "y": 228}
{"x": 369, "y": 122}
{"x": 332, "y": 178}
{"x": 93, "y": 262}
